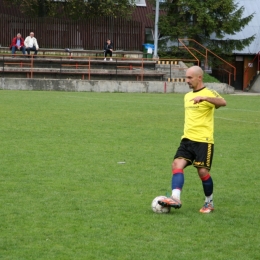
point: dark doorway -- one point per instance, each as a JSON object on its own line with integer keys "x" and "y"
{"x": 238, "y": 84}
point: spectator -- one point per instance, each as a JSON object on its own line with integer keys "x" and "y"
{"x": 108, "y": 49}
{"x": 17, "y": 44}
{"x": 31, "y": 44}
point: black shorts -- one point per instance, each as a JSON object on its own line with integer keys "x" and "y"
{"x": 197, "y": 153}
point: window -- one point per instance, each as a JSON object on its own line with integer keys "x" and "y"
{"x": 140, "y": 2}
{"x": 64, "y": 0}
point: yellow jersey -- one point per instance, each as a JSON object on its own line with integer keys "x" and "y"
{"x": 199, "y": 118}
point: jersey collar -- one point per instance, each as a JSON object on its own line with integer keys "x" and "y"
{"x": 194, "y": 91}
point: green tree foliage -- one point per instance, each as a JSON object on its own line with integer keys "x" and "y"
{"x": 74, "y": 9}
{"x": 206, "y": 21}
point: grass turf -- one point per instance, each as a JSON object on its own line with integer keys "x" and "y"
{"x": 65, "y": 196}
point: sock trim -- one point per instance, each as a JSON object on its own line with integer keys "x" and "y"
{"x": 177, "y": 171}
{"x": 205, "y": 178}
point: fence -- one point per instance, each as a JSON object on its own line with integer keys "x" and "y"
{"x": 89, "y": 34}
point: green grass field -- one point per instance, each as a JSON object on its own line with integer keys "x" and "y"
{"x": 65, "y": 196}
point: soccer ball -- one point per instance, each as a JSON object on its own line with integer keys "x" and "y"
{"x": 158, "y": 208}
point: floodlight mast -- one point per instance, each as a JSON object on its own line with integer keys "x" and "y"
{"x": 155, "y": 55}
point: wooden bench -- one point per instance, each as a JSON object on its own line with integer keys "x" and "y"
{"x": 84, "y": 66}
{"x": 76, "y": 65}
{"x": 21, "y": 64}
{"x": 96, "y": 53}
{"x": 139, "y": 74}
{"x": 130, "y": 67}
{"x": 18, "y": 63}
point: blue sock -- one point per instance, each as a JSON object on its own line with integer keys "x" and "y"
{"x": 177, "y": 179}
{"x": 207, "y": 184}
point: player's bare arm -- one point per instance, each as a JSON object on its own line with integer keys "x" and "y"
{"x": 218, "y": 102}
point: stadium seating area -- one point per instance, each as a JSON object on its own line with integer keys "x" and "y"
{"x": 88, "y": 65}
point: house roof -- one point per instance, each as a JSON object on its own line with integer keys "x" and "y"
{"x": 253, "y": 27}
{"x": 145, "y": 14}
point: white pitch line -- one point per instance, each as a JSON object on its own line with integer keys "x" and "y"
{"x": 240, "y": 121}
{"x": 239, "y": 109}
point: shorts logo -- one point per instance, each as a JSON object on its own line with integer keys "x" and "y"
{"x": 208, "y": 155}
{"x": 198, "y": 163}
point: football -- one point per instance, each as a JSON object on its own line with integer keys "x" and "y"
{"x": 158, "y": 208}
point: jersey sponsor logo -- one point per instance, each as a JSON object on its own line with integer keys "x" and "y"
{"x": 192, "y": 107}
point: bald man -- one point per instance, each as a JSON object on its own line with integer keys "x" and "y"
{"x": 31, "y": 44}
{"x": 197, "y": 143}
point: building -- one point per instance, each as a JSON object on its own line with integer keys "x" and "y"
{"x": 246, "y": 60}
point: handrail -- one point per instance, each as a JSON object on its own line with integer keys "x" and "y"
{"x": 191, "y": 48}
{"x": 228, "y": 72}
{"x": 246, "y": 80}
{"x": 206, "y": 55}
{"x": 180, "y": 40}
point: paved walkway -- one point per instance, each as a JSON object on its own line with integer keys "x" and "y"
{"x": 245, "y": 93}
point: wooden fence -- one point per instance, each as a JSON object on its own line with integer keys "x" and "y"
{"x": 89, "y": 34}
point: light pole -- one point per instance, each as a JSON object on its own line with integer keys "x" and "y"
{"x": 155, "y": 55}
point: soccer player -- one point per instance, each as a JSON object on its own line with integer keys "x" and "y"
{"x": 197, "y": 143}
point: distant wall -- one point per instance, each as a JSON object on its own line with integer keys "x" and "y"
{"x": 256, "y": 86}
{"x": 105, "y": 86}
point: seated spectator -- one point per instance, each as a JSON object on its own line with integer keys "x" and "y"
{"x": 17, "y": 44}
{"x": 108, "y": 49}
{"x": 31, "y": 44}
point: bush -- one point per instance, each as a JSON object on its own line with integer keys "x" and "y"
{"x": 210, "y": 79}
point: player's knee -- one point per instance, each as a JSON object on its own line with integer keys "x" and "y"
{"x": 203, "y": 172}
{"x": 178, "y": 164}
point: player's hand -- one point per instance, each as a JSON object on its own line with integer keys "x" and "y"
{"x": 198, "y": 99}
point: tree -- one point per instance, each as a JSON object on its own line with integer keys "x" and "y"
{"x": 74, "y": 9}
{"x": 206, "y": 21}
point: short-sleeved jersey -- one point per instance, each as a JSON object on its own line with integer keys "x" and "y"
{"x": 199, "y": 118}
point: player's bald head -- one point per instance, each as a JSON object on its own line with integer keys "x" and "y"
{"x": 195, "y": 70}
{"x": 194, "y": 77}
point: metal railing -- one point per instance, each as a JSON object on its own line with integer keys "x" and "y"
{"x": 84, "y": 66}
{"x": 206, "y": 57}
